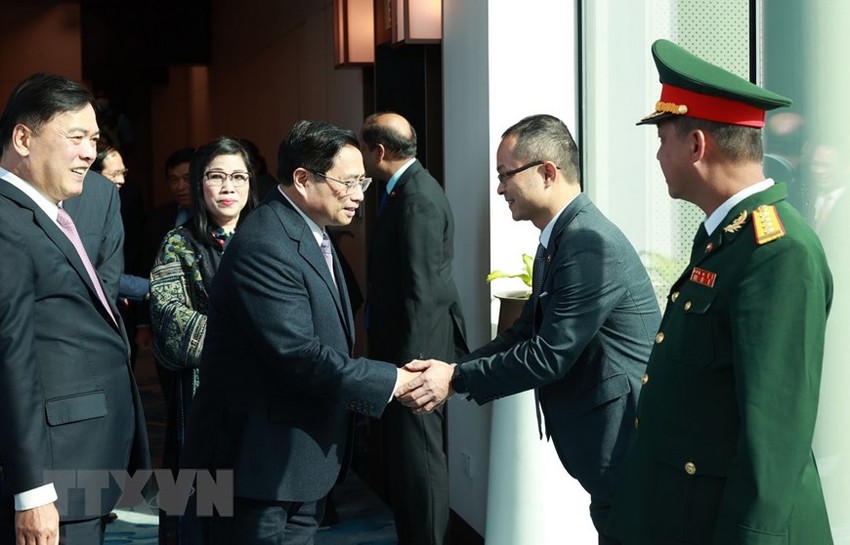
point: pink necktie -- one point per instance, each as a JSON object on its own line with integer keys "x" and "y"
{"x": 67, "y": 226}
{"x": 326, "y": 251}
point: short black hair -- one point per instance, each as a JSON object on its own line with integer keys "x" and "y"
{"x": 544, "y": 137}
{"x": 223, "y": 145}
{"x": 735, "y": 142}
{"x": 37, "y": 99}
{"x": 179, "y": 157}
{"x": 312, "y": 145}
{"x": 397, "y": 145}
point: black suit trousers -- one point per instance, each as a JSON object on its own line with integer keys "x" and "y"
{"x": 418, "y": 470}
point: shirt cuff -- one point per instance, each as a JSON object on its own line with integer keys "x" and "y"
{"x": 36, "y": 497}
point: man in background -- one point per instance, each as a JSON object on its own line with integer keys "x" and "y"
{"x": 413, "y": 312}
{"x": 160, "y": 221}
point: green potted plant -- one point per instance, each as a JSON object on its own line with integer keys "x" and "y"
{"x": 511, "y": 302}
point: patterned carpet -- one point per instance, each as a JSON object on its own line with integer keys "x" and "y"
{"x": 364, "y": 519}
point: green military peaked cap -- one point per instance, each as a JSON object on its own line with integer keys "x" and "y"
{"x": 692, "y": 87}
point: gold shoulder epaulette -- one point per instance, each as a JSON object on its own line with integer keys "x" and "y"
{"x": 767, "y": 225}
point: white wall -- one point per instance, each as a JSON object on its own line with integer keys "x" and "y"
{"x": 502, "y": 62}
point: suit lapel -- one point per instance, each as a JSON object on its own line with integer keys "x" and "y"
{"x": 309, "y": 250}
{"x": 55, "y": 234}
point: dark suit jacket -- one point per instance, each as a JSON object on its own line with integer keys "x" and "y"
{"x": 414, "y": 308}
{"x": 584, "y": 347}
{"x": 67, "y": 397}
{"x": 97, "y": 215}
{"x": 723, "y": 451}
{"x": 277, "y": 380}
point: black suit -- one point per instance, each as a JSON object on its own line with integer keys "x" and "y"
{"x": 414, "y": 313}
{"x": 277, "y": 380}
{"x": 67, "y": 398}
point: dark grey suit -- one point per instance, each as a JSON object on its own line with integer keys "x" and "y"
{"x": 67, "y": 398}
{"x": 277, "y": 380}
{"x": 415, "y": 313}
{"x": 584, "y": 346}
{"x": 97, "y": 216}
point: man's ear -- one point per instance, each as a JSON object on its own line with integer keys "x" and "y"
{"x": 300, "y": 178}
{"x": 550, "y": 171}
{"x": 697, "y": 141}
{"x": 21, "y": 139}
{"x": 380, "y": 152}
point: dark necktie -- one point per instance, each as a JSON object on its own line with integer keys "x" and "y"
{"x": 326, "y": 251}
{"x": 537, "y": 273}
{"x": 67, "y": 226}
{"x": 384, "y": 198}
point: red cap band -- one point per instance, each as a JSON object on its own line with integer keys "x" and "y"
{"x": 713, "y": 108}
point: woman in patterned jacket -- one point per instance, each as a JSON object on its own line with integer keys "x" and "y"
{"x": 221, "y": 177}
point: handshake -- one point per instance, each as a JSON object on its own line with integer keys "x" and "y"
{"x": 425, "y": 384}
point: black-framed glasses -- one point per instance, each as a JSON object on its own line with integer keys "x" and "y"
{"x": 218, "y": 177}
{"x": 505, "y": 176}
{"x": 350, "y": 185}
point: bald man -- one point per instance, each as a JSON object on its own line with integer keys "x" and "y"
{"x": 413, "y": 312}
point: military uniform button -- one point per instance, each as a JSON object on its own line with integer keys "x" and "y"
{"x": 659, "y": 338}
{"x": 687, "y": 305}
{"x": 674, "y": 296}
{"x": 690, "y": 468}
{"x": 637, "y": 422}
{"x": 645, "y": 378}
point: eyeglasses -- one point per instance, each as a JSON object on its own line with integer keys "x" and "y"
{"x": 505, "y": 176}
{"x": 116, "y": 173}
{"x": 350, "y": 185}
{"x": 218, "y": 177}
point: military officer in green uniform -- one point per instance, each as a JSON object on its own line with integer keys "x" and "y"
{"x": 721, "y": 452}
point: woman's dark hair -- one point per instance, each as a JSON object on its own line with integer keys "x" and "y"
{"x": 223, "y": 145}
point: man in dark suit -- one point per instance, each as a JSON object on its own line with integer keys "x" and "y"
{"x": 585, "y": 334}
{"x": 722, "y": 453}
{"x": 97, "y": 215}
{"x": 414, "y": 312}
{"x": 278, "y": 382}
{"x": 68, "y": 402}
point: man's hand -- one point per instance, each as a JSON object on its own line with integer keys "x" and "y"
{"x": 37, "y": 526}
{"x": 431, "y": 389}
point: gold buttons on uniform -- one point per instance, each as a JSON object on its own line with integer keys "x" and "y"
{"x": 659, "y": 338}
{"x": 690, "y": 468}
{"x": 687, "y": 305}
{"x": 637, "y": 422}
{"x": 645, "y": 378}
{"x": 674, "y": 296}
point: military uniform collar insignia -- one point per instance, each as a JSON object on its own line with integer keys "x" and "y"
{"x": 736, "y": 223}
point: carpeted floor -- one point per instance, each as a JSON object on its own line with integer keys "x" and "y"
{"x": 363, "y": 518}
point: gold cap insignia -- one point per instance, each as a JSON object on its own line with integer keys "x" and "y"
{"x": 736, "y": 224}
{"x": 768, "y": 227}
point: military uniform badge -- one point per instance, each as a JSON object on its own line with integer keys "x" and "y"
{"x": 768, "y": 227}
